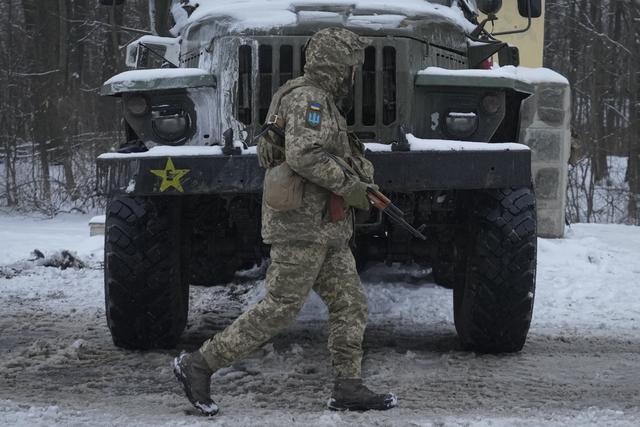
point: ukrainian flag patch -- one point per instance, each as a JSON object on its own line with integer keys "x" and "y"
{"x": 314, "y": 114}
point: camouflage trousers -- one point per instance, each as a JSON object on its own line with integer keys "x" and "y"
{"x": 297, "y": 268}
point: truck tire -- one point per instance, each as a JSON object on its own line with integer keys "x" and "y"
{"x": 210, "y": 248}
{"x": 211, "y": 267}
{"x": 449, "y": 265}
{"x": 147, "y": 299}
{"x": 447, "y": 269}
{"x": 444, "y": 275}
{"x": 494, "y": 307}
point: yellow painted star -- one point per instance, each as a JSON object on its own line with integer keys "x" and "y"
{"x": 170, "y": 176}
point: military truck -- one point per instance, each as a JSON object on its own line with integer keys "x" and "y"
{"x": 443, "y": 131}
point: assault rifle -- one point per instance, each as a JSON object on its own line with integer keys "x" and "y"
{"x": 382, "y": 202}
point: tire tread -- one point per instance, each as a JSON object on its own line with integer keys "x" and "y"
{"x": 145, "y": 297}
{"x": 496, "y": 304}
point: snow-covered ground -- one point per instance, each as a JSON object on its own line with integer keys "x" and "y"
{"x": 581, "y": 364}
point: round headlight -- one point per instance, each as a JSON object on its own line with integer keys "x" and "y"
{"x": 171, "y": 128}
{"x": 461, "y": 125}
{"x": 137, "y": 105}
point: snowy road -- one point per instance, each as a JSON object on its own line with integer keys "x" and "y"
{"x": 581, "y": 364}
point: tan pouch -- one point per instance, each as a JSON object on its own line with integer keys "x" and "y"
{"x": 283, "y": 188}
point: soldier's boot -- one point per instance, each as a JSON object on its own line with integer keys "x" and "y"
{"x": 194, "y": 374}
{"x": 350, "y": 394}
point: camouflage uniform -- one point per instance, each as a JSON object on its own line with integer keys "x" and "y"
{"x": 309, "y": 251}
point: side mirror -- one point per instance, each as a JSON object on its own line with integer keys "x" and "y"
{"x": 535, "y": 6}
{"x": 110, "y": 2}
{"x": 490, "y": 7}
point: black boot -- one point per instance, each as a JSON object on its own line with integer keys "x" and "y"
{"x": 351, "y": 394}
{"x": 194, "y": 374}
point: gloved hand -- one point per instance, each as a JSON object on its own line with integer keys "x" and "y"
{"x": 357, "y": 197}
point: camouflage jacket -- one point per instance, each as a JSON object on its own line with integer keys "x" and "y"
{"x": 315, "y": 127}
{"x": 306, "y": 145}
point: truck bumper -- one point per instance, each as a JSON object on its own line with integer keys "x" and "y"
{"x": 395, "y": 171}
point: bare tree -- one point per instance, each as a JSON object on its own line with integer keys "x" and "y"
{"x": 595, "y": 45}
{"x": 57, "y": 53}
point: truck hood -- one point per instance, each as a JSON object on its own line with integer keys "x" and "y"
{"x": 262, "y": 16}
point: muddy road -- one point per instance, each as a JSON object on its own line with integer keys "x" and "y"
{"x": 580, "y": 366}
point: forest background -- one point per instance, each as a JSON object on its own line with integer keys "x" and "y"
{"x": 55, "y": 54}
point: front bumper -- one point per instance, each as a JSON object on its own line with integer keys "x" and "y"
{"x": 174, "y": 172}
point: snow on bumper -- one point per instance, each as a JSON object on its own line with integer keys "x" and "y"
{"x": 426, "y": 165}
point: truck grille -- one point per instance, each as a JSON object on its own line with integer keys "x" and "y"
{"x": 375, "y": 87}
{"x": 376, "y": 84}
{"x": 191, "y": 59}
{"x": 445, "y": 58}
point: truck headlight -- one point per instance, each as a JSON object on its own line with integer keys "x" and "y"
{"x": 461, "y": 125}
{"x": 170, "y": 124}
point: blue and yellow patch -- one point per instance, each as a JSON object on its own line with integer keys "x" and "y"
{"x": 314, "y": 114}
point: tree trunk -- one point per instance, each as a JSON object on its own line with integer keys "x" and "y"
{"x": 7, "y": 121}
{"x": 599, "y": 151}
{"x": 633, "y": 166}
{"x": 108, "y": 117}
{"x": 64, "y": 114}
{"x": 42, "y": 25}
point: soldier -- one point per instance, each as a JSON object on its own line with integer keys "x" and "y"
{"x": 308, "y": 220}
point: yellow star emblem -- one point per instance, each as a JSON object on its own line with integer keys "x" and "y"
{"x": 170, "y": 176}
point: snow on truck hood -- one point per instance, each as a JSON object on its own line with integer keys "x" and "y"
{"x": 268, "y": 14}
{"x": 155, "y": 73}
{"x": 157, "y": 79}
{"x": 523, "y": 74}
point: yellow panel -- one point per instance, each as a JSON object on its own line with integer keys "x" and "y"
{"x": 530, "y": 43}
